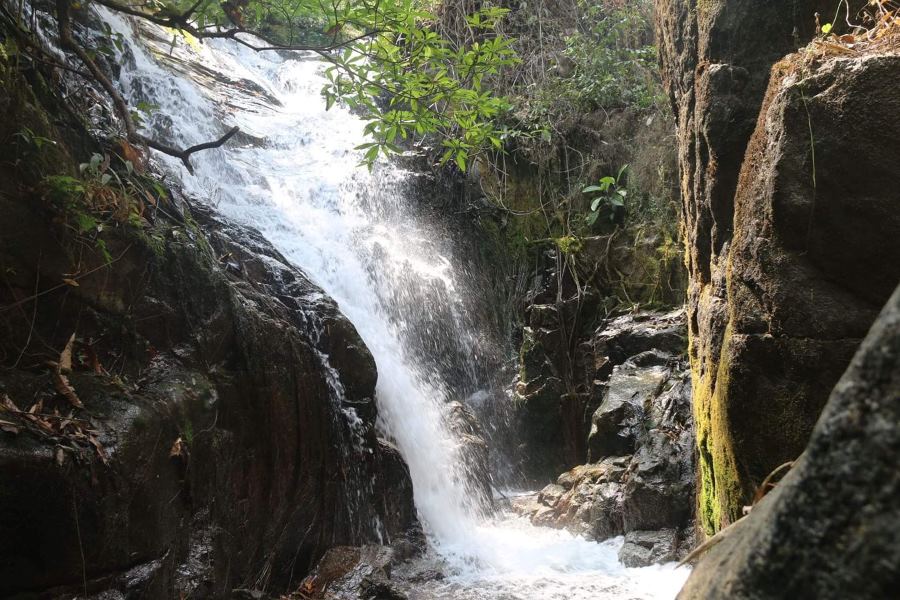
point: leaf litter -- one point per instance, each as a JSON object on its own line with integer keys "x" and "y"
{"x": 67, "y": 431}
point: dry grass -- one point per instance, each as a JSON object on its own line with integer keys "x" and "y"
{"x": 875, "y": 30}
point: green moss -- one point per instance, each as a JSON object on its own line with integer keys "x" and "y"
{"x": 720, "y": 496}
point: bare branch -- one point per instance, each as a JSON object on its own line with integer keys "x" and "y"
{"x": 121, "y": 106}
{"x": 182, "y": 22}
{"x": 185, "y": 155}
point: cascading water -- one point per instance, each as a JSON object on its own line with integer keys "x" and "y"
{"x": 293, "y": 175}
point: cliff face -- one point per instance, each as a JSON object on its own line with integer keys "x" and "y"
{"x": 183, "y": 412}
{"x": 791, "y": 245}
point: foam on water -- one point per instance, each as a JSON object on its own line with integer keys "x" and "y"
{"x": 294, "y": 176}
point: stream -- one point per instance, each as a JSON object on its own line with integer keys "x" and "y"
{"x": 293, "y": 174}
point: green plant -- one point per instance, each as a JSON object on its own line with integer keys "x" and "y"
{"x": 102, "y": 196}
{"x": 32, "y": 139}
{"x": 412, "y": 82}
{"x": 613, "y": 56}
{"x": 387, "y": 60}
{"x": 569, "y": 244}
{"x": 609, "y": 195}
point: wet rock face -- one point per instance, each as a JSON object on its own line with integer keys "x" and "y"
{"x": 640, "y": 480}
{"x": 558, "y": 392}
{"x": 644, "y": 548}
{"x": 828, "y": 530}
{"x": 786, "y": 269}
{"x": 470, "y": 435}
{"x": 234, "y": 403}
{"x": 615, "y": 425}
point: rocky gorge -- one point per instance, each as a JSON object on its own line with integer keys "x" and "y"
{"x": 639, "y": 478}
{"x": 263, "y": 371}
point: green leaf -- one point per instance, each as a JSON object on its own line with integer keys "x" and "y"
{"x": 461, "y": 160}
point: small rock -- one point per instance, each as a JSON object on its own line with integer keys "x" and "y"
{"x": 645, "y": 548}
{"x": 551, "y": 494}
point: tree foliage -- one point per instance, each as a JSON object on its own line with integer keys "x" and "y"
{"x": 385, "y": 59}
{"x": 411, "y": 81}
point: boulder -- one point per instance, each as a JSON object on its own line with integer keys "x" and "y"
{"x": 213, "y": 446}
{"x": 645, "y": 548}
{"x": 632, "y": 334}
{"x": 641, "y": 441}
{"x": 786, "y": 258}
{"x": 659, "y": 490}
{"x": 615, "y": 424}
{"x": 829, "y": 528}
{"x": 606, "y": 518}
{"x": 351, "y": 573}
{"x": 470, "y": 435}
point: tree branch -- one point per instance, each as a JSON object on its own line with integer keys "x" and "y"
{"x": 68, "y": 42}
{"x": 181, "y": 22}
{"x": 185, "y": 155}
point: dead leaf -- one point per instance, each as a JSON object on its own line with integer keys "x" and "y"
{"x": 65, "y": 357}
{"x": 70, "y": 282}
{"x": 36, "y": 407}
{"x": 9, "y": 427}
{"x": 62, "y": 385}
{"x": 101, "y": 451}
{"x": 60, "y": 381}
{"x": 93, "y": 360}
{"x": 8, "y": 404}
{"x": 43, "y": 424}
{"x": 177, "y": 449}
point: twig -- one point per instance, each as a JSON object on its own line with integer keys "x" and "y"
{"x": 37, "y": 282}
{"x": 185, "y": 155}
{"x": 767, "y": 482}
{"x": 67, "y": 41}
{"x": 62, "y": 285}
{"x": 80, "y": 544}
{"x": 711, "y": 542}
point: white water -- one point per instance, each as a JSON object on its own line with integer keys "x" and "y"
{"x": 358, "y": 238}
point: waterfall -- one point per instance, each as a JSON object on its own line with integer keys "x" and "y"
{"x": 293, "y": 174}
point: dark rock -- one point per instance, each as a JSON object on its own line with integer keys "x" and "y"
{"x": 574, "y": 409}
{"x": 606, "y": 511}
{"x": 645, "y": 548}
{"x": 230, "y": 362}
{"x": 615, "y": 425}
{"x": 540, "y": 421}
{"x": 470, "y": 436}
{"x": 660, "y": 486}
{"x": 642, "y": 440}
{"x": 630, "y": 335}
{"x": 828, "y": 530}
{"x": 786, "y": 275}
{"x": 551, "y": 494}
{"x": 349, "y": 572}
